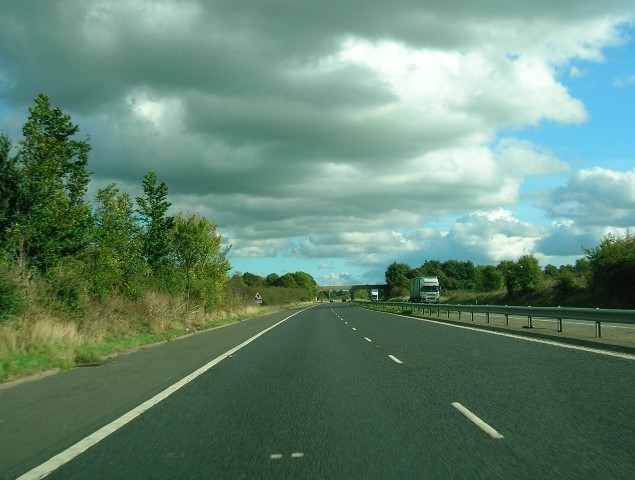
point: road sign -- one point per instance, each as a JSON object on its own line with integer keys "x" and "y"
{"x": 258, "y": 298}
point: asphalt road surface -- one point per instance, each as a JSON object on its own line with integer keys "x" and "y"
{"x": 333, "y": 391}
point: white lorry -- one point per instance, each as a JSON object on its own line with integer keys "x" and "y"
{"x": 374, "y": 295}
{"x": 425, "y": 290}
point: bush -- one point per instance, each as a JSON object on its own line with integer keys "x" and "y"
{"x": 11, "y": 302}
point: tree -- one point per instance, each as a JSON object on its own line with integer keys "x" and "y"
{"x": 397, "y": 275}
{"x": 491, "y": 279}
{"x": 509, "y": 272}
{"x": 53, "y": 220}
{"x": 287, "y": 280}
{"x": 613, "y": 269}
{"x": 9, "y": 185}
{"x": 253, "y": 280}
{"x": 306, "y": 281}
{"x": 529, "y": 274}
{"x": 115, "y": 259}
{"x": 199, "y": 257}
{"x": 156, "y": 224}
{"x": 272, "y": 279}
{"x": 551, "y": 271}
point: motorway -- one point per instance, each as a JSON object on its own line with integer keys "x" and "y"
{"x": 332, "y": 391}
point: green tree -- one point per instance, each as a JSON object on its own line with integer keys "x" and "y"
{"x": 9, "y": 187}
{"x": 115, "y": 261}
{"x": 565, "y": 283}
{"x": 460, "y": 275}
{"x": 613, "y": 269}
{"x": 509, "y": 271}
{"x": 287, "y": 280}
{"x": 156, "y": 223}
{"x": 491, "y": 279}
{"x": 397, "y": 275}
{"x": 272, "y": 279}
{"x": 54, "y": 221}
{"x": 306, "y": 281}
{"x": 200, "y": 258}
{"x": 551, "y": 271}
{"x": 252, "y": 280}
{"x": 529, "y": 274}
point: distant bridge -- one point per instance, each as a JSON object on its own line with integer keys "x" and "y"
{"x": 384, "y": 289}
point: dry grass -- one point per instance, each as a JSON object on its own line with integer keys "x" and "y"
{"x": 44, "y": 337}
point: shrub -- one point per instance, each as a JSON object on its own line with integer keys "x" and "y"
{"x": 11, "y": 303}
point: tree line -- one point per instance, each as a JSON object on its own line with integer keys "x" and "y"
{"x": 274, "y": 288}
{"x": 602, "y": 278}
{"x": 112, "y": 246}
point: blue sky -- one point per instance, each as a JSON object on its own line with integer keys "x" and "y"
{"x": 332, "y": 139}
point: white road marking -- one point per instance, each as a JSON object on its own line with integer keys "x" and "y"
{"x": 354, "y": 328}
{"x": 367, "y": 339}
{"x": 297, "y": 455}
{"x": 626, "y": 356}
{"x": 275, "y": 456}
{"x": 480, "y": 423}
{"x": 71, "y": 452}
{"x": 394, "y": 359}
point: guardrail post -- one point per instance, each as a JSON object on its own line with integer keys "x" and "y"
{"x": 598, "y": 329}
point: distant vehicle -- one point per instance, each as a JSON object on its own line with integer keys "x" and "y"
{"x": 425, "y": 290}
{"x": 374, "y": 295}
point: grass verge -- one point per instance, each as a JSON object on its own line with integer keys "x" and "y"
{"x": 33, "y": 344}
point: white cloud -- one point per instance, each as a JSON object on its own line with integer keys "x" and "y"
{"x": 596, "y": 197}
{"x": 624, "y": 82}
{"x": 321, "y": 130}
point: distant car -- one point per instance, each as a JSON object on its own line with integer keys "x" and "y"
{"x": 343, "y": 299}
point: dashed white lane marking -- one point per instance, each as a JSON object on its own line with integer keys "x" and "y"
{"x": 367, "y": 339}
{"x": 394, "y": 359}
{"x": 297, "y": 455}
{"x": 275, "y": 456}
{"x": 74, "y": 450}
{"x": 354, "y": 328}
{"x": 480, "y": 423}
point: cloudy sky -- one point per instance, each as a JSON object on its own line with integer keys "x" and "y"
{"x": 335, "y": 137}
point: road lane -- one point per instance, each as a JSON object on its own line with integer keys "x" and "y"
{"x": 314, "y": 398}
{"x": 39, "y": 419}
{"x": 575, "y": 404}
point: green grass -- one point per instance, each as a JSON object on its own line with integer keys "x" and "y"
{"x": 20, "y": 364}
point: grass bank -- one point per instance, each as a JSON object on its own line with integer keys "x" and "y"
{"x": 40, "y": 340}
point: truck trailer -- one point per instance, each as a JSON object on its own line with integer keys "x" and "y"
{"x": 425, "y": 290}
{"x": 374, "y": 295}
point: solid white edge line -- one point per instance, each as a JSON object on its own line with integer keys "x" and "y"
{"x": 477, "y": 421}
{"x": 394, "y": 359}
{"x": 626, "y": 356}
{"x": 71, "y": 452}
